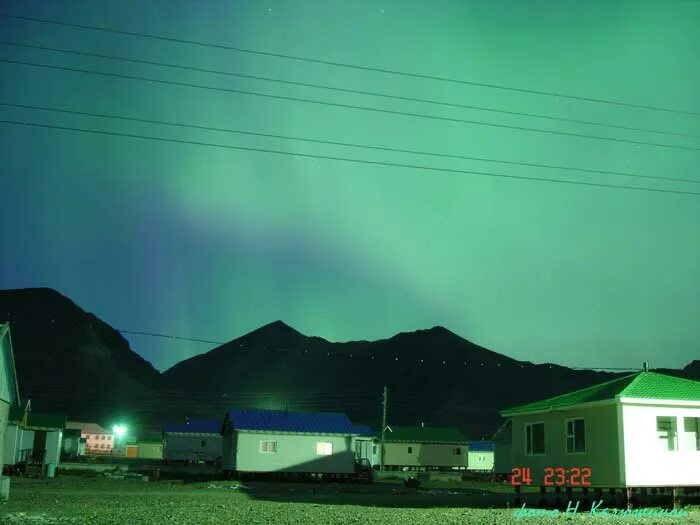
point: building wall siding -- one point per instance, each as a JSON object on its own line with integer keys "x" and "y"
{"x": 425, "y": 455}
{"x": 601, "y": 454}
{"x": 646, "y": 461}
{"x": 189, "y": 447}
{"x": 295, "y": 453}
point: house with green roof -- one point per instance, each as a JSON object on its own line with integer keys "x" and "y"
{"x": 424, "y": 447}
{"x": 640, "y": 430}
{"x": 33, "y": 438}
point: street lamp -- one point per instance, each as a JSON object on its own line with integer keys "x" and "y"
{"x": 119, "y": 431}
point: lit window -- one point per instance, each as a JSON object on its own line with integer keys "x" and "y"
{"x": 667, "y": 432}
{"x": 575, "y": 436}
{"x": 691, "y": 433}
{"x": 268, "y": 447}
{"x": 324, "y": 449}
{"x": 534, "y": 438}
{"x": 410, "y": 450}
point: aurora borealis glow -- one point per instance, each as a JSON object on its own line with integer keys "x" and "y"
{"x": 211, "y": 243}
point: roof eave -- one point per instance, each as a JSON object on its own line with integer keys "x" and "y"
{"x": 655, "y": 401}
{"x": 577, "y": 406}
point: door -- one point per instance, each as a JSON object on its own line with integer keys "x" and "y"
{"x": 39, "y": 448}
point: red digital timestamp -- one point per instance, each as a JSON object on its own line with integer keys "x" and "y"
{"x": 553, "y": 476}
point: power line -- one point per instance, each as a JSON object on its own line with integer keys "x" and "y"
{"x": 169, "y": 336}
{"x": 344, "y": 144}
{"x": 352, "y": 66}
{"x": 347, "y": 90}
{"x": 343, "y": 159}
{"x": 352, "y": 106}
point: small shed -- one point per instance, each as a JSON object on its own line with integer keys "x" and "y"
{"x": 480, "y": 456}
{"x": 424, "y": 447}
{"x": 640, "y": 430}
{"x": 264, "y": 441}
{"x": 33, "y": 438}
{"x": 366, "y": 447}
{"x": 193, "y": 440}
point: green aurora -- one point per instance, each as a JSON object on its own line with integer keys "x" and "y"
{"x": 211, "y": 243}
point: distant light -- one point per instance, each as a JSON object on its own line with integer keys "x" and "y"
{"x": 119, "y": 430}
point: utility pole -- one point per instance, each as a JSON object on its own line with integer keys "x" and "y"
{"x": 384, "y": 400}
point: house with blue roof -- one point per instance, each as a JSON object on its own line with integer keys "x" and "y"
{"x": 278, "y": 441}
{"x": 194, "y": 440}
{"x": 480, "y": 456}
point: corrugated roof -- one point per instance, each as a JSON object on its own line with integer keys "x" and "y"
{"x": 87, "y": 428}
{"x": 480, "y": 446}
{"x": 364, "y": 431}
{"x": 37, "y": 419}
{"x": 284, "y": 421}
{"x": 645, "y": 385}
{"x": 195, "y": 426}
{"x": 424, "y": 434}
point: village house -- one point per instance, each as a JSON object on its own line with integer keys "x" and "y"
{"x": 97, "y": 439}
{"x": 424, "y": 448}
{"x": 641, "y": 430}
{"x": 9, "y": 394}
{"x": 266, "y": 441}
{"x": 193, "y": 440}
{"x": 33, "y": 441}
{"x": 480, "y": 456}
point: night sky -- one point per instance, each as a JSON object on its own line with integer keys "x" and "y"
{"x": 211, "y": 243}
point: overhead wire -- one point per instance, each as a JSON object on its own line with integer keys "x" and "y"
{"x": 338, "y": 143}
{"x": 351, "y": 106}
{"x": 350, "y": 66}
{"x": 344, "y": 159}
{"x": 346, "y": 90}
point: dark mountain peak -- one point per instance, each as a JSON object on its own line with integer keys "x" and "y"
{"x": 274, "y": 330}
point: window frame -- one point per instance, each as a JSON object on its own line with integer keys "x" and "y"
{"x": 676, "y": 444}
{"x": 262, "y": 450}
{"x": 573, "y": 436}
{"x": 544, "y": 440}
{"x": 324, "y": 453}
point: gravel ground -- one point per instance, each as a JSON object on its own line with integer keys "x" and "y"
{"x": 124, "y": 502}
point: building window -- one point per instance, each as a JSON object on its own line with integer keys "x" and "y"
{"x": 324, "y": 449}
{"x": 410, "y": 450}
{"x": 203, "y": 443}
{"x": 575, "y": 436}
{"x": 268, "y": 447}
{"x": 691, "y": 433}
{"x": 374, "y": 449}
{"x": 102, "y": 437}
{"x": 667, "y": 432}
{"x": 534, "y": 438}
{"x": 458, "y": 451}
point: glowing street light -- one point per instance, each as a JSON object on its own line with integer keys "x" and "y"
{"x": 119, "y": 431}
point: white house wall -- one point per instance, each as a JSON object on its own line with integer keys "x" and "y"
{"x": 480, "y": 460}
{"x": 646, "y": 463}
{"x": 53, "y": 447}
{"x": 189, "y": 447}
{"x": 601, "y": 456}
{"x": 11, "y": 436}
{"x": 295, "y": 453}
